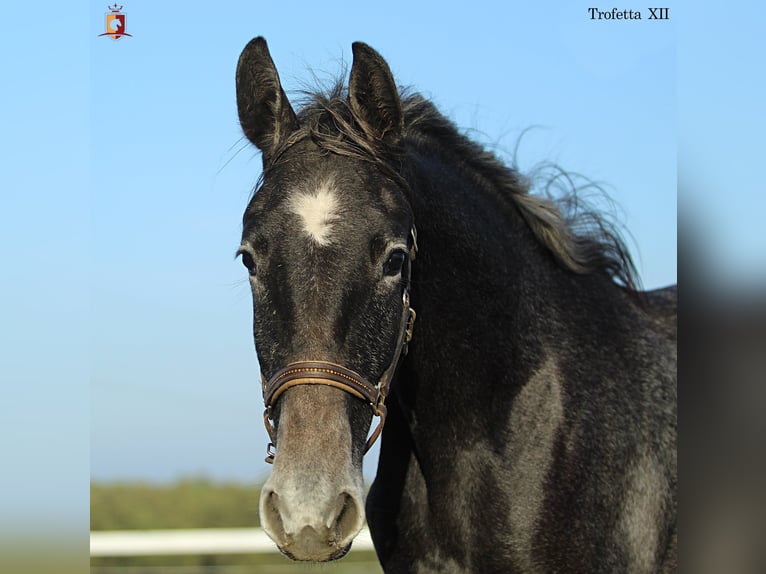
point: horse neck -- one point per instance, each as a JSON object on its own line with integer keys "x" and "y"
{"x": 492, "y": 301}
{"x": 478, "y": 256}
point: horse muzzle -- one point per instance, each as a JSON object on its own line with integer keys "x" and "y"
{"x": 312, "y": 505}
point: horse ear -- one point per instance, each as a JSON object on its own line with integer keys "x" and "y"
{"x": 265, "y": 113}
{"x": 373, "y": 95}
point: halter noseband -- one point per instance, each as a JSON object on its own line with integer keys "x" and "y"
{"x": 330, "y": 374}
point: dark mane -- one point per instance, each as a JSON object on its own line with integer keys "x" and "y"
{"x": 581, "y": 238}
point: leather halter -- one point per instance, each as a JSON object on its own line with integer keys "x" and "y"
{"x": 333, "y": 375}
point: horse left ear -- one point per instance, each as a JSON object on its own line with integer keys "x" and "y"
{"x": 373, "y": 95}
{"x": 265, "y": 113}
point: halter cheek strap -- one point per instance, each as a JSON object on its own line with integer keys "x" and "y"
{"x": 333, "y": 375}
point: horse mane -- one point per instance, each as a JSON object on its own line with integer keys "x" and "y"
{"x": 583, "y": 239}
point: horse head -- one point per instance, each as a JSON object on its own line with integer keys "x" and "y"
{"x": 327, "y": 241}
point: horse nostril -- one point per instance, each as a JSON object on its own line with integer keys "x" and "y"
{"x": 271, "y": 517}
{"x": 349, "y": 518}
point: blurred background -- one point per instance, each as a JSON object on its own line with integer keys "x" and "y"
{"x": 132, "y": 398}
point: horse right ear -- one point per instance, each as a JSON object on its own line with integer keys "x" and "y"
{"x": 373, "y": 95}
{"x": 265, "y": 113}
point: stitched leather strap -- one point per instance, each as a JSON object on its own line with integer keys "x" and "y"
{"x": 321, "y": 373}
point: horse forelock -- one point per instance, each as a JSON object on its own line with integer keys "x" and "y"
{"x": 326, "y": 119}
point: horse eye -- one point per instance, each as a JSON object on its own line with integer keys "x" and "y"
{"x": 395, "y": 262}
{"x": 247, "y": 261}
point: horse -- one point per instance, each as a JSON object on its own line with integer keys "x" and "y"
{"x": 402, "y": 273}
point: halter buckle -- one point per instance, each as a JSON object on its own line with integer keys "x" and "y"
{"x": 410, "y": 326}
{"x": 408, "y": 331}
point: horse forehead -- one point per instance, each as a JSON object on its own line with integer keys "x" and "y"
{"x": 334, "y": 206}
{"x": 326, "y": 202}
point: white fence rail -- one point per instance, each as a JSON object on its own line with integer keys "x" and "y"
{"x": 197, "y": 541}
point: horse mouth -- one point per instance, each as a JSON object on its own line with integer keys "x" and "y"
{"x": 335, "y": 554}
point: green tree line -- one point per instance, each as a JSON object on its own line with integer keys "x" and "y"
{"x": 187, "y": 503}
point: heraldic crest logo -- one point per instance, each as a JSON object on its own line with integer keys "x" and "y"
{"x": 115, "y": 22}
